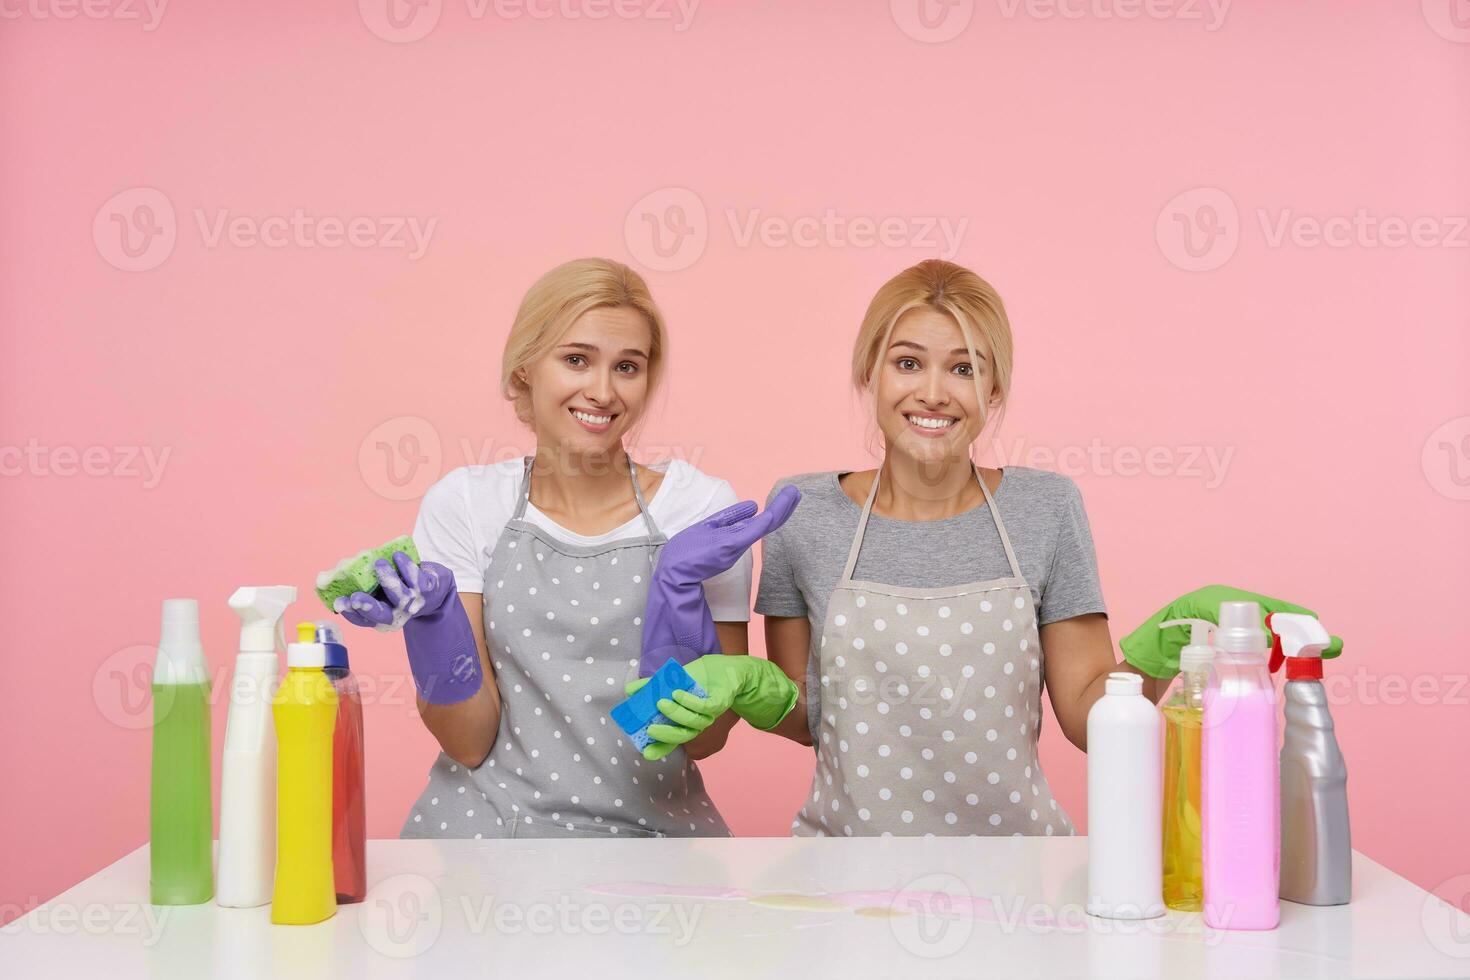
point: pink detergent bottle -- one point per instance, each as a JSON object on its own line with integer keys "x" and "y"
{"x": 1239, "y": 783}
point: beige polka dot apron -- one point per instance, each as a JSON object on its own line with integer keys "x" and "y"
{"x": 931, "y": 708}
{"x": 563, "y": 624}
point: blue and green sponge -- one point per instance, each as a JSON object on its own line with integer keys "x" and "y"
{"x": 641, "y": 709}
{"x": 357, "y": 574}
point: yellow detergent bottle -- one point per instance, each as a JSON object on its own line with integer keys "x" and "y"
{"x": 1184, "y": 718}
{"x": 305, "y": 709}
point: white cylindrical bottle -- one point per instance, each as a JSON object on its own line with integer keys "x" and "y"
{"x": 247, "y": 816}
{"x": 1124, "y": 803}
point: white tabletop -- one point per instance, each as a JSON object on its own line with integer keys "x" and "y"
{"x": 898, "y": 907}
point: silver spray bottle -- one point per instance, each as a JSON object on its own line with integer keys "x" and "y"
{"x": 1316, "y": 847}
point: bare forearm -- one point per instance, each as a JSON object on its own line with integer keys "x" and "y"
{"x": 465, "y": 731}
{"x": 1153, "y": 689}
{"x": 713, "y": 738}
{"x": 794, "y": 726}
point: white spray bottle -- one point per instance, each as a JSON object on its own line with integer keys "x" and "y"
{"x": 1316, "y": 846}
{"x": 247, "y": 815}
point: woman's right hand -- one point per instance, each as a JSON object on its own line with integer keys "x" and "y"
{"x": 425, "y": 604}
{"x": 411, "y": 589}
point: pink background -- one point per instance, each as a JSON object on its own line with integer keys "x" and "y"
{"x": 1333, "y": 375}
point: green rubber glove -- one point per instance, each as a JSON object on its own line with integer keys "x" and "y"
{"x": 755, "y": 689}
{"x": 1156, "y": 651}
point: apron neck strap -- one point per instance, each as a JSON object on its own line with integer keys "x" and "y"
{"x": 525, "y": 495}
{"x": 857, "y": 538}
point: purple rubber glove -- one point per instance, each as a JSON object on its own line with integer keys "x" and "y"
{"x": 425, "y": 603}
{"x": 677, "y": 622}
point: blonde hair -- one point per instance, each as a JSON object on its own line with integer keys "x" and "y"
{"x": 969, "y": 300}
{"x": 553, "y": 304}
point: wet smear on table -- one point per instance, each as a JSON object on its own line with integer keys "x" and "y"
{"x": 867, "y": 904}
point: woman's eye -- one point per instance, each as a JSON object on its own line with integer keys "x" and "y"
{"x": 907, "y": 364}
{"x": 628, "y": 367}
{"x": 965, "y": 370}
{"x": 576, "y": 360}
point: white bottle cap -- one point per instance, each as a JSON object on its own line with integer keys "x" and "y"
{"x": 306, "y": 655}
{"x": 1123, "y": 682}
{"x": 1240, "y": 629}
{"x": 180, "y": 657}
{"x": 306, "y": 652}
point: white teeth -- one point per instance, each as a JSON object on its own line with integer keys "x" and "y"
{"x": 592, "y": 419}
{"x": 924, "y": 423}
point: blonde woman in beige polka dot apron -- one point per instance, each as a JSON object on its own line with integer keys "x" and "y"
{"x": 931, "y": 707}
{"x": 928, "y": 609}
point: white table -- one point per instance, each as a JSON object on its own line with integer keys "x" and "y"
{"x": 715, "y": 908}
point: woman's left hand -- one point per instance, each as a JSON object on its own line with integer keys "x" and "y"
{"x": 689, "y": 715}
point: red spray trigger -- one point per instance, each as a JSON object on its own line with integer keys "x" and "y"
{"x": 1278, "y": 656}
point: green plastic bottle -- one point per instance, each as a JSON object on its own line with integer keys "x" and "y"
{"x": 181, "y": 821}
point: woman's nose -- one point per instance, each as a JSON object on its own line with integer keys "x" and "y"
{"x": 933, "y": 391}
{"x": 599, "y": 388}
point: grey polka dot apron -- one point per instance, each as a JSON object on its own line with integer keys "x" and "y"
{"x": 931, "y": 708}
{"x": 563, "y": 624}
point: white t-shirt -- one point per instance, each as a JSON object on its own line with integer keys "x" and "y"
{"x": 462, "y": 515}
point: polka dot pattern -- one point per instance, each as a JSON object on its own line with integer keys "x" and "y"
{"x": 939, "y": 699}
{"x": 566, "y": 629}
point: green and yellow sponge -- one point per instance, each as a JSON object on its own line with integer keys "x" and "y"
{"x": 357, "y": 574}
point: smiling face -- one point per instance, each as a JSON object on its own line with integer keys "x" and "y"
{"x": 925, "y": 396}
{"x": 589, "y": 389}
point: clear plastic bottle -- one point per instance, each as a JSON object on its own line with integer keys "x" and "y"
{"x": 1239, "y": 782}
{"x": 1183, "y": 711}
{"x": 349, "y": 806}
{"x": 181, "y": 819}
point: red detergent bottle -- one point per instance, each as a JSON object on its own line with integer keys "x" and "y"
{"x": 349, "y": 808}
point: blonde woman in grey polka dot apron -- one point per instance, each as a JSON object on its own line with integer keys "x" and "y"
{"x": 931, "y": 705}
{"x": 563, "y": 624}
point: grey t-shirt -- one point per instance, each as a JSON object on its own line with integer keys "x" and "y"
{"x": 802, "y": 561}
